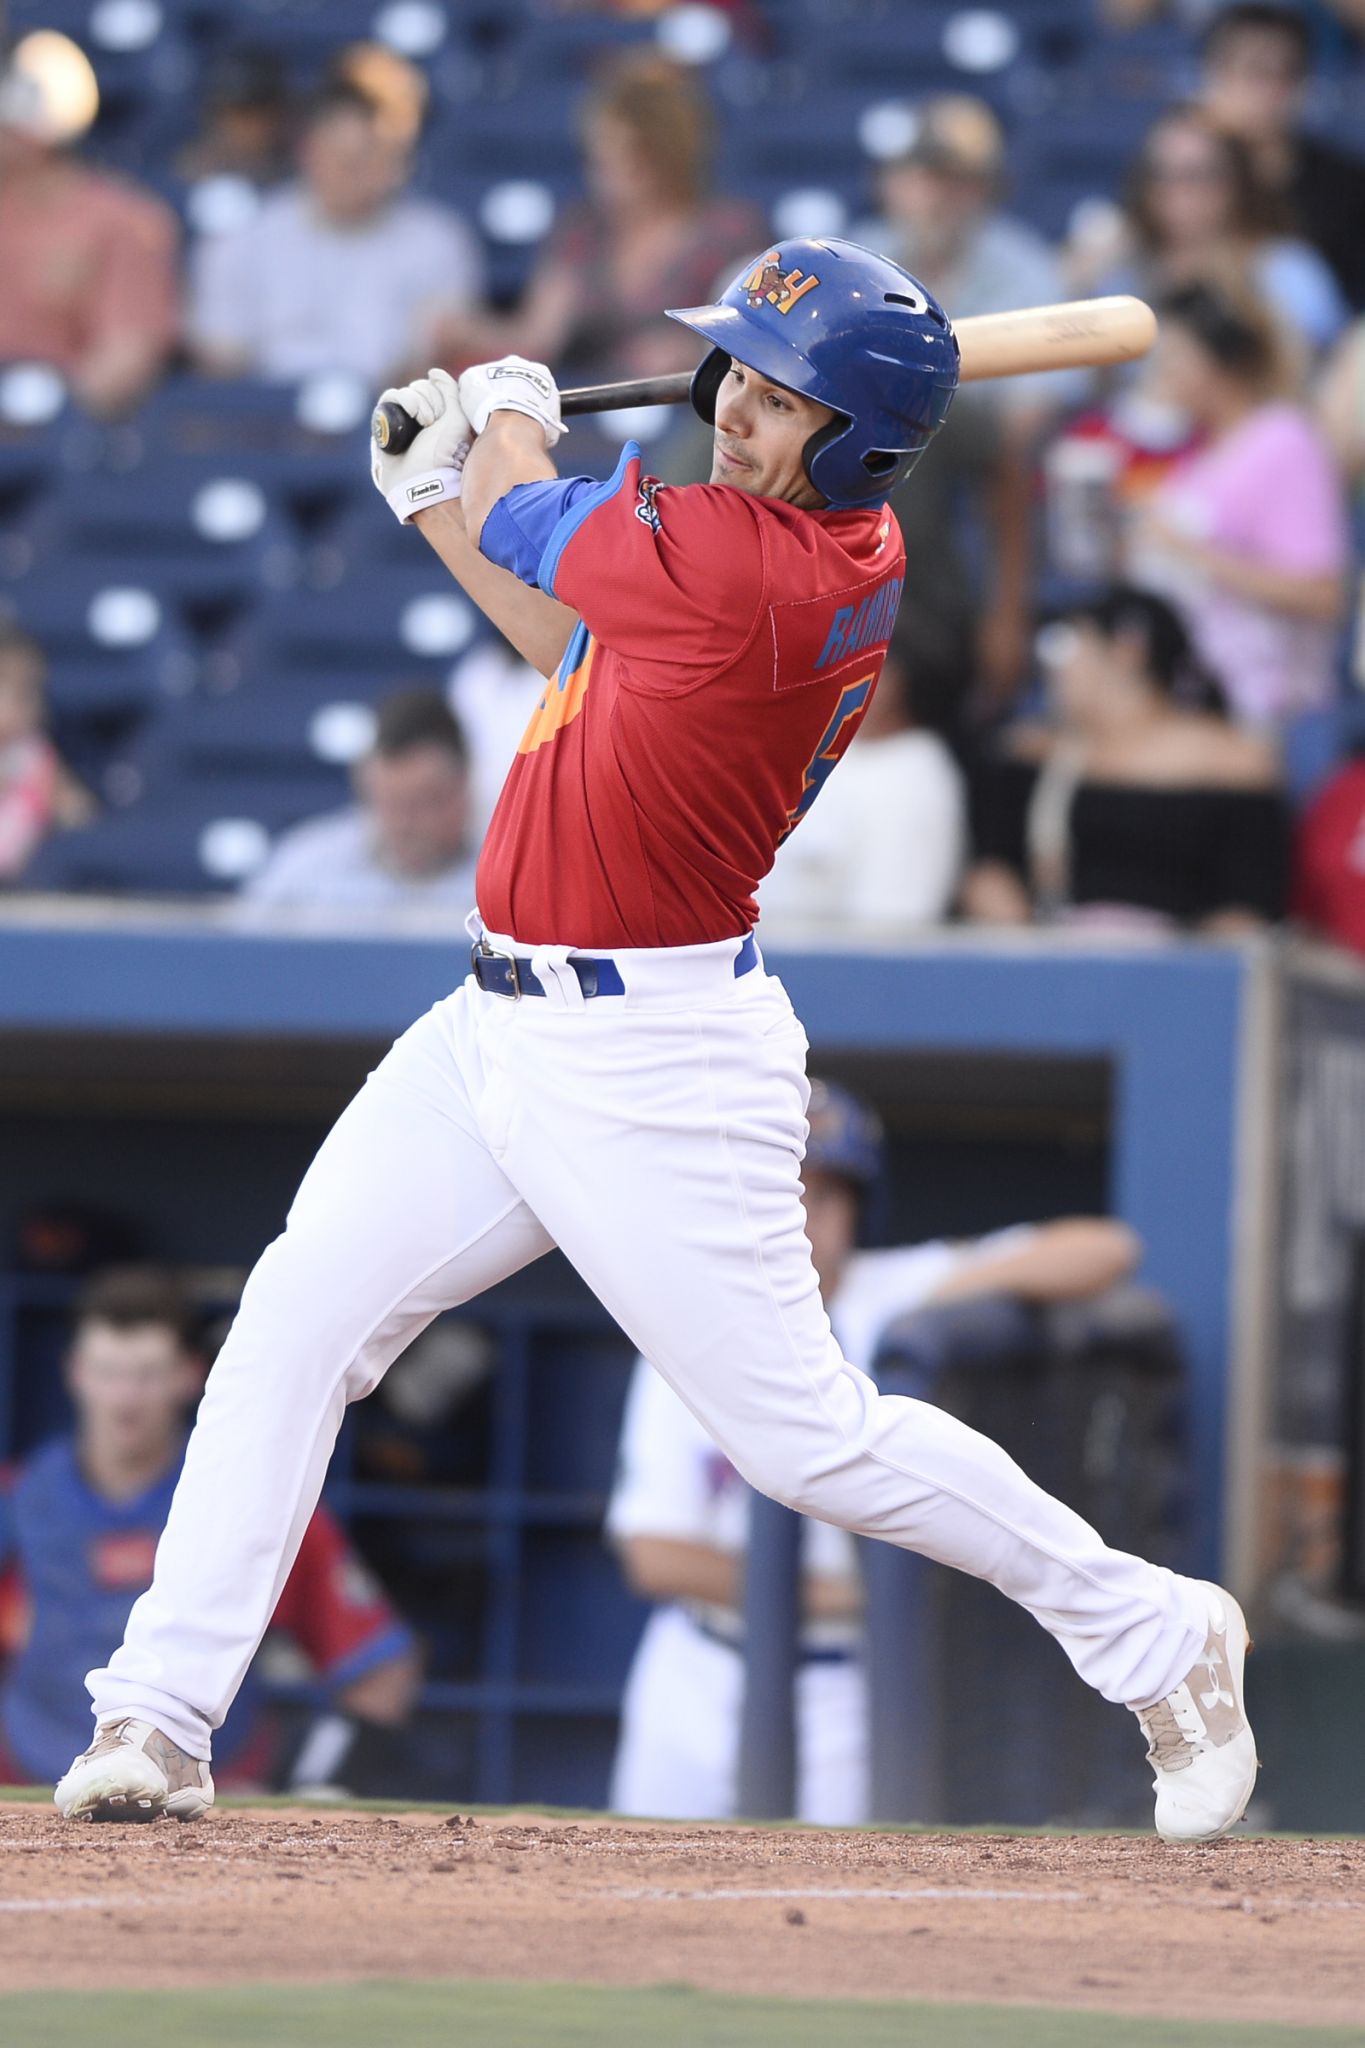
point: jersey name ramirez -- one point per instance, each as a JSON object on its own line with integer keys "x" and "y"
{"x": 819, "y": 639}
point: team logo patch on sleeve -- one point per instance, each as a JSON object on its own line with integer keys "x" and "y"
{"x": 768, "y": 283}
{"x": 646, "y": 511}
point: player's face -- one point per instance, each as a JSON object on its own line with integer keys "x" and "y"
{"x": 831, "y": 1224}
{"x": 130, "y": 1387}
{"x": 761, "y": 432}
{"x": 419, "y": 801}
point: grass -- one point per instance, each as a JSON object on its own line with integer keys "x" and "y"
{"x": 485, "y": 2015}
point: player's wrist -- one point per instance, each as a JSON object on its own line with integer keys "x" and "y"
{"x": 414, "y": 494}
{"x": 517, "y": 427}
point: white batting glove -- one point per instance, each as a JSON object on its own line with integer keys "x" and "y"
{"x": 430, "y": 469}
{"x": 512, "y": 384}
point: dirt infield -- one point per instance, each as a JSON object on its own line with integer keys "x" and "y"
{"x": 1249, "y": 1930}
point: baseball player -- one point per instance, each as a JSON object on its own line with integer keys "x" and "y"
{"x": 618, "y": 1074}
{"x": 679, "y": 1512}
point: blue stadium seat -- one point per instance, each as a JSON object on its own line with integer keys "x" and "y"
{"x": 188, "y": 842}
{"x": 415, "y": 621}
{"x": 114, "y": 648}
{"x": 212, "y": 533}
{"x": 303, "y": 726}
{"x": 306, "y": 446}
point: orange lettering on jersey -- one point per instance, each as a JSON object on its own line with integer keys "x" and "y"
{"x": 563, "y": 699}
{"x": 767, "y": 280}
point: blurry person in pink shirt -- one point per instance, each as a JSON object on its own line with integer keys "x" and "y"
{"x": 36, "y": 792}
{"x": 89, "y": 263}
{"x": 1248, "y": 535}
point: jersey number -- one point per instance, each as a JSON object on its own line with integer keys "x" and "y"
{"x": 853, "y": 701}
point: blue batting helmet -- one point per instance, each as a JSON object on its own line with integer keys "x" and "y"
{"x": 839, "y": 324}
{"x": 845, "y": 1135}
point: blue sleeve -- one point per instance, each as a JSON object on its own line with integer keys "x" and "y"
{"x": 517, "y": 530}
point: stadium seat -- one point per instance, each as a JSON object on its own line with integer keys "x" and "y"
{"x": 213, "y": 534}
{"x": 191, "y": 842}
{"x": 303, "y": 726}
{"x": 415, "y": 621}
{"x": 306, "y": 445}
{"x": 114, "y": 647}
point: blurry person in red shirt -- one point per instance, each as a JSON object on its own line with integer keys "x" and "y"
{"x": 1329, "y": 867}
{"x": 79, "y": 1526}
{"x": 89, "y": 262}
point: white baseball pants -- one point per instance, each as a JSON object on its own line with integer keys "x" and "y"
{"x": 656, "y": 1137}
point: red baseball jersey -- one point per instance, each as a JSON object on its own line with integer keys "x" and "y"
{"x": 728, "y": 648}
{"x": 1329, "y": 885}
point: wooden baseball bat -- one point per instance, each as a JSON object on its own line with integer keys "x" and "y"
{"x": 1075, "y": 334}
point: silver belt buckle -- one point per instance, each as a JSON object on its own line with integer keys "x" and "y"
{"x": 481, "y": 950}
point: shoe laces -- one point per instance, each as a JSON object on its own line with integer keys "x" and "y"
{"x": 109, "y": 1735}
{"x": 1170, "y": 1748}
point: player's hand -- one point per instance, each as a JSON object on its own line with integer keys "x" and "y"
{"x": 512, "y": 384}
{"x": 430, "y": 469}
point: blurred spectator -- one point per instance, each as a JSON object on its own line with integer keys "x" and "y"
{"x": 941, "y": 218}
{"x": 89, "y": 262}
{"x": 1137, "y": 805}
{"x": 340, "y": 270}
{"x": 36, "y": 792}
{"x": 1329, "y": 868}
{"x": 882, "y": 850}
{"x": 247, "y": 129}
{"x": 648, "y": 235}
{"x": 406, "y": 844}
{"x": 1340, "y": 413}
{"x": 1256, "y": 65}
{"x": 494, "y": 694}
{"x": 1198, "y": 212}
{"x": 1248, "y": 533}
{"x": 679, "y": 1514}
{"x": 1341, "y": 403}
{"x": 79, "y": 1525}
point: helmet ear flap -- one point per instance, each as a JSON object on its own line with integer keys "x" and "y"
{"x": 819, "y": 440}
{"x": 707, "y": 379}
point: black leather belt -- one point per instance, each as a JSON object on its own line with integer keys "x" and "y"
{"x": 509, "y": 974}
{"x": 814, "y": 1653}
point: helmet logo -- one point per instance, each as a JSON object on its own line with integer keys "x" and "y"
{"x": 768, "y": 282}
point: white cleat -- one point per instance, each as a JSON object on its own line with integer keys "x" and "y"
{"x": 132, "y": 1772}
{"x": 1201, "y": 1748}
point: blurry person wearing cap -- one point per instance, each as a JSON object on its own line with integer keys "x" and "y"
{"x": 89, "y": 262}
{"x": 940, "y": 217}
{"x": 342, "y": 268}
{"x": 678, "y": 1516}
{"x": 407, "y": 844}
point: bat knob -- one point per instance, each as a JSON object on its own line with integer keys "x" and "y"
{"x": 392, "y": 429}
